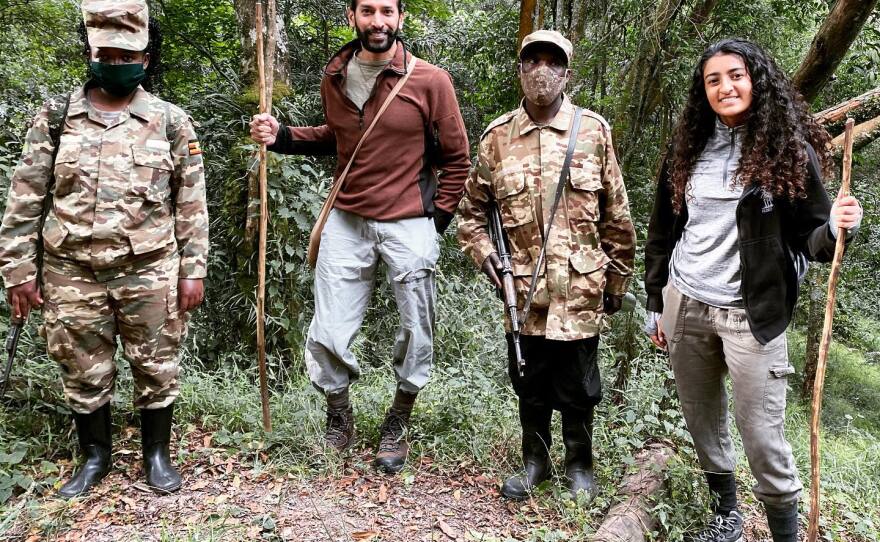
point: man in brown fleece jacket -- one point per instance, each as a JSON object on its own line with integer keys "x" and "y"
{"x": 398, "y": 197}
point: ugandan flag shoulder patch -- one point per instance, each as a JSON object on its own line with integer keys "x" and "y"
{"x": 194, "y": 147}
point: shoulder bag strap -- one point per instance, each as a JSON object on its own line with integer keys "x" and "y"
{"x": 563, "y": 178}
{"x": 394, "y": 91}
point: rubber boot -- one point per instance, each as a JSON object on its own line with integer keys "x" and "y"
{"x": 393, "y": 446}
{"x": 155, "y": 438}
{"x": 783, "y": 521}
{"x": 94, "y": 431}
{"x": 536, "y": 440}
{"x": 339, "y": 431}
{"x": 577, "y": 435}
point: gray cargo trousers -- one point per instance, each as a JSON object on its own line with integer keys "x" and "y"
{"x": 351, "y": 249}
{"x": 705, "y": 344}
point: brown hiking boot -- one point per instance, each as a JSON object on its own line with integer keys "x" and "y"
{"x": 393, "y": 447}
{"x": 339, "y": 432}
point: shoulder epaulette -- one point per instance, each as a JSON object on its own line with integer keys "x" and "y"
{"x": 503, "y": 119}
{"x": 597, "y": 117}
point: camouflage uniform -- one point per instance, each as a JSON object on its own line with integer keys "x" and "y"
{"x": 128, "y": 218}
{"x": 591, "y": 247}
{"x": 592, "y": 242}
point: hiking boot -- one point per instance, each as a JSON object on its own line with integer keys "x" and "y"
{"x": 577, "y": 435}
{"x": 155, "y": 440}
{"x": 783, "y": 521}
{"x": 722, "y": 528}
{"x": 94, "y": 431}
{"x": 536, "y": 440}
{"x": 393, "y": 447}
{"x": 339, "y": 431}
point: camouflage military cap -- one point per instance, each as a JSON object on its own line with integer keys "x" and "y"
{"x": 114, "y": 23}
{"x": 550, "y": 37}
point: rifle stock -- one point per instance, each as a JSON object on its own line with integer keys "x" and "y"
{"x": 508, "y": 287}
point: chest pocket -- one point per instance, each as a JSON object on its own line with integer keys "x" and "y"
{"x": 151, "y": 173}
{"x": 583, "y": 201}
{"x": 67, "y": 170}
{"x": 513, "y": 197}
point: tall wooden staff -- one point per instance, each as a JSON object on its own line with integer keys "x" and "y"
{"x": 265, "y": 107}
{"x": 819, "y": 383}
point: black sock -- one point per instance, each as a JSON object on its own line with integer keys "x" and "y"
{"x": 722, "y": 489}
{"x": 783, "y": 521}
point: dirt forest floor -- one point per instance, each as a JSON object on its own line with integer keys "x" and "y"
{"x": 227, "y": 498}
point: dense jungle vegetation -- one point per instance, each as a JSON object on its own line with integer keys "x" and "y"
{"x": 633, "y": 60}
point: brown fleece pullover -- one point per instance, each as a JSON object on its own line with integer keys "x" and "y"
{"x": 415, "y": 160}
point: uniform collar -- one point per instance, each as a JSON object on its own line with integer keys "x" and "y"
{"x": 79, "y": 103}
{"x": 561, "y": 122}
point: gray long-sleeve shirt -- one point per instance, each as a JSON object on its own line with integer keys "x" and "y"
{"x": 705, "y": 264}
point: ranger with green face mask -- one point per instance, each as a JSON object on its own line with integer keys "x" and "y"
{"x": 111, "y": 190}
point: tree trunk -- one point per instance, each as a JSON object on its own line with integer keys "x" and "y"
{"x": 814, "y": 285}
{"x": 526, "y": 20}
{"x": 630, "y": 519}
{"x": 830, "y": 44}
{"x": 276, "y": 44}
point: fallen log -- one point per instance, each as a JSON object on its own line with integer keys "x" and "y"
{"x": 630, "y": 519}
{"x": 863, "y": 134}
{"x": 861, "y": 108}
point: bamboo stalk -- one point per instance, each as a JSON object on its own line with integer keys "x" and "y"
{"x": 815, "y": 457}
{"x": 264, "y": 222}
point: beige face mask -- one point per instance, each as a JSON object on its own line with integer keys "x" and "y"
{"x": 542, "y": 85}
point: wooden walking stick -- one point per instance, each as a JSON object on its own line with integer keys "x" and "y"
{"x": 265, "y": 107}
{"x": 813, "y": 531}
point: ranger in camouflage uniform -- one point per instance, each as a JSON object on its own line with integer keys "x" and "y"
{"x": 589, "y": 255}
{"x": 125, "y": 238}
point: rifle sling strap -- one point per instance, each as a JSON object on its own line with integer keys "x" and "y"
{"x": 563, "y": 178}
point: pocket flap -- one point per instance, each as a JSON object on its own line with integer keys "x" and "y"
{"x": 151, "y": 157}
{"x": 780, "y": 372}
{"x": 584, "y": 179}
{"x": 510, "y": 182}
{"x": 588, "y": 260}
{"x": 67, "y": 153}
{"x": 150, "y": 239}
{"x": 54, "y": 231}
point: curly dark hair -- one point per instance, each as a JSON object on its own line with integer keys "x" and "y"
{"x": 154, "y": 48}
{"x": 779, "y": 126}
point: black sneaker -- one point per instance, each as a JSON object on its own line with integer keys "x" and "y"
{"x": 727, "y": 528}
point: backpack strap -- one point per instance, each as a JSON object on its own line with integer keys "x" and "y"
{"x": 57, "y": 117}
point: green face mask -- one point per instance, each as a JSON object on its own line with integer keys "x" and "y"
{"x": 118, "y": 79}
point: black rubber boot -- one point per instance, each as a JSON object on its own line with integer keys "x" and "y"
{"x": 577, "y": 435}
{"x": 536, "y": 442}
{"x": 155, "y": 438}
{"x": 783, "y": 521}
{"x": 94, "y": 431}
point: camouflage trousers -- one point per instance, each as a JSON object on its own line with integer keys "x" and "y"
{"x": 85, "y": 310}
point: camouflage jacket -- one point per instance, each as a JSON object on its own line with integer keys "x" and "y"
{"x": 592, "y": 241}
{"x": 123, "y": 193}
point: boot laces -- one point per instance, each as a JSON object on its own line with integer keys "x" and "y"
{"x": 392, "y": 431}
{"x": 337, "y": 423}
{"x": 719, "y": 529}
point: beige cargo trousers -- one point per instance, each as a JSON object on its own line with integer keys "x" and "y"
{"x": 707, "y": 343}
{"x": 351, "y": 249}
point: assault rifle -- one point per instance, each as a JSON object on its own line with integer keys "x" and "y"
{"x": 11, "y": 346}
{"x": 508, "y": 288}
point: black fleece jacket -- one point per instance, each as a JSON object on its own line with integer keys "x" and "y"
{"x": 770, "y": 231}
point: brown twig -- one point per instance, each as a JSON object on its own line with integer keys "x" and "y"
{"x": 265, "y": 107}
{"x": 813, "y": 531}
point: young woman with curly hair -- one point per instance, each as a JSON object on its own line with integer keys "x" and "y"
{"x": 740, "y": 208}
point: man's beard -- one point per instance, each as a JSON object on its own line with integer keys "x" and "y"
{"x": 364, "y": 37}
